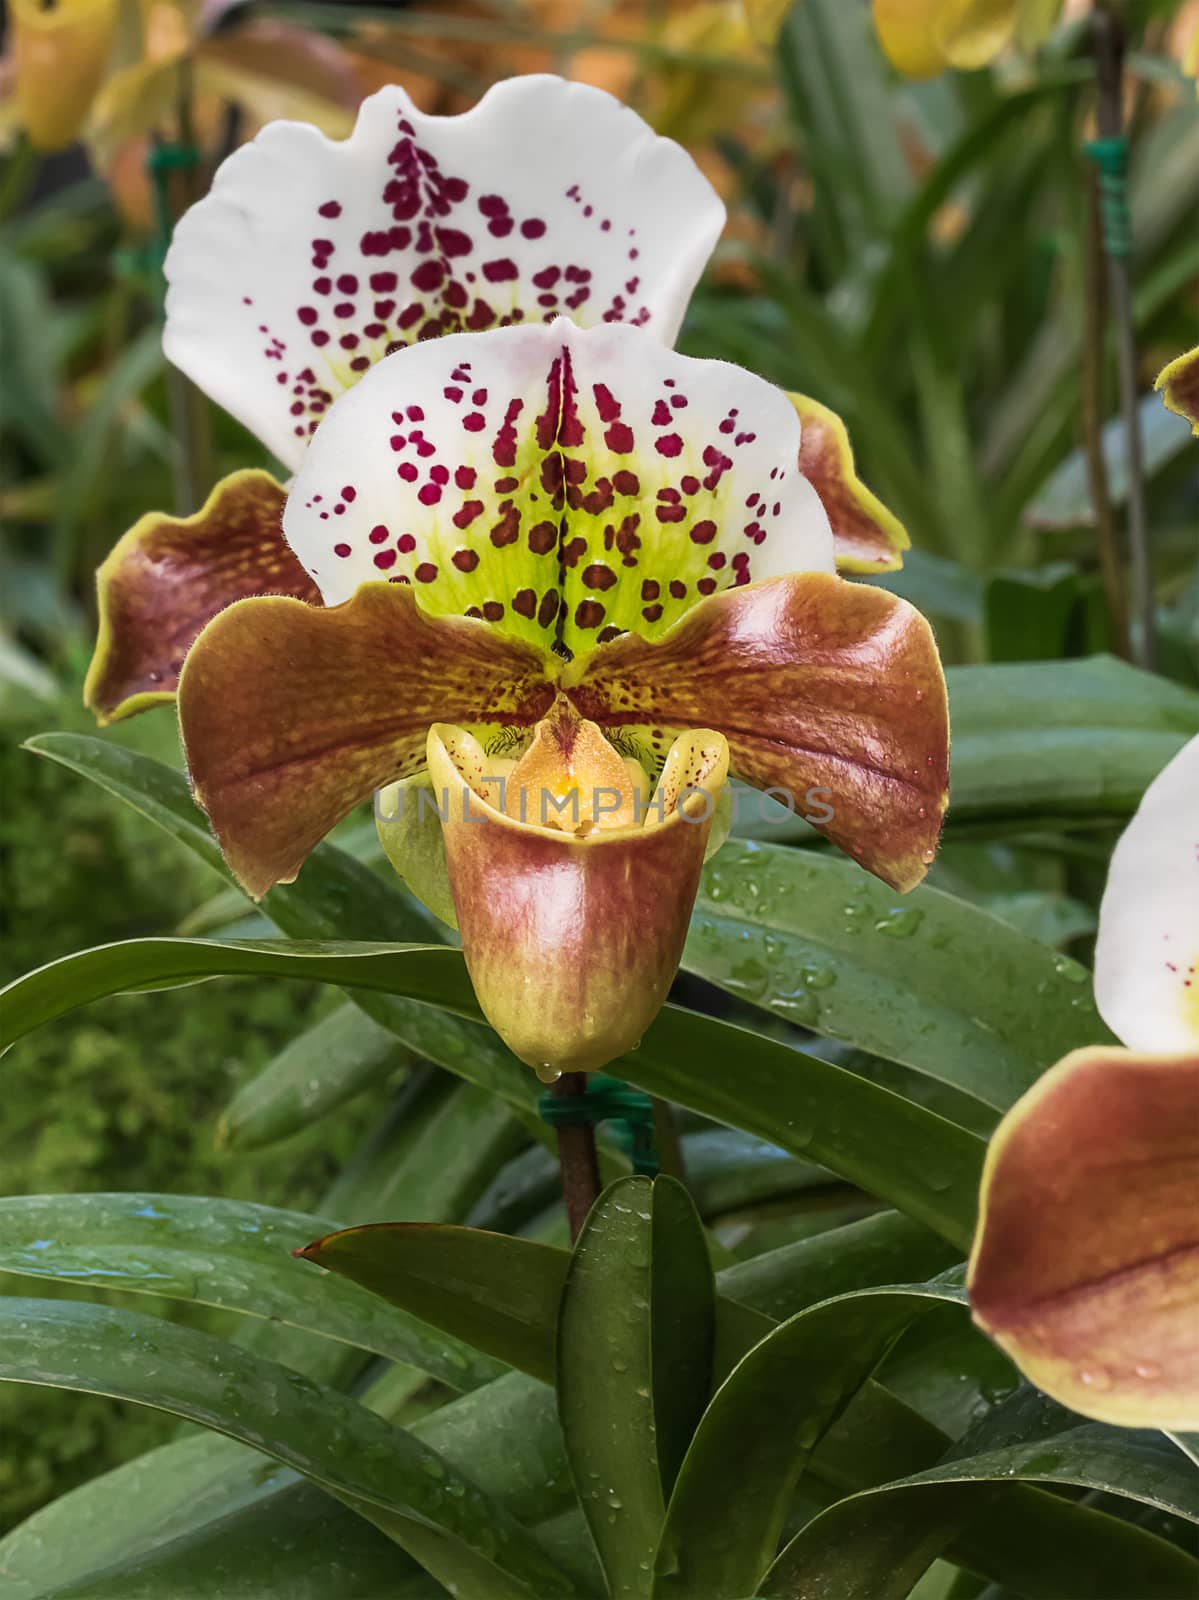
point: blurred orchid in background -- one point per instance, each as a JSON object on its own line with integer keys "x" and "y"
{"x": 925, "y": 37}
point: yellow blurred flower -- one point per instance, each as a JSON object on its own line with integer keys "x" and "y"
{"x": 60, "y": 55}
{"x": 924, "y": 37}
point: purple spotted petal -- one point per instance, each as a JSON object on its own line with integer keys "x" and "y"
{"x": 565, "y": 484}
{"x": 310, "y": 259}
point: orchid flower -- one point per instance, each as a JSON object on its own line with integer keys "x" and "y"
{"x": 1084, "y": 1266}
{"x": 601, "y": 559}
{"x": 311, "y": 259}
{"x": 532, "y": 567}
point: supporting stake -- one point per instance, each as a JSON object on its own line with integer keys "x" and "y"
{"x": 1109, "y": 152}
{"x": 1107, "y": 537}
{"x": 577, "y": 1157}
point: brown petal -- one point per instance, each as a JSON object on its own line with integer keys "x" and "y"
{"x": 291, "y": 714}
{"x": 818, "y": 684}
{"x": 866, "y": 536}
{"x": 168, "y": 576}
{"x": 1085, "y": 1266}
{"x": 572, "y": 941}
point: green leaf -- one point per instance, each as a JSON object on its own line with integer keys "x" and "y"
{"x": 812, "y": 938}
{"x": 906, "y": 1155}
{"x": 310, "y": 1548}
{"x": 498, "y": 1293}
{"x": 605, "y": 1376}
{"x": 914, "y": 1160}
{"x": 727, "y": 1510}
{"x": 431, "y": 1157}
{"x": 938, "y": 585}
{"x": 335, "y": 896}
{"x": 682, "y": 1323}
{"x": 1072, "y": 739}
{"x": 1065, "y": 500}
{"x": 501, "y": 1292}
{"x": 407, "y": 1489}
{"x": 148, "y": 1501}
{"x": 878, "y": 1542}
{"x": 1033, "y": 615}
{"x": 431, "y": 973}
{"x": 215, "y": 1252}
{"x": 885, "y": 1248}
{"x": 317, "y": 1071}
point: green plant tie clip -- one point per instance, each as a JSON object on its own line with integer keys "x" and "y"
{"x": 1111, "y": 157}
{"x": 608, "y": 1099}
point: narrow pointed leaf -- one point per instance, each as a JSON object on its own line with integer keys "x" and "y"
{"x": 1064, "y": 738}
{"x": 312, "y": 1547}
{"x": 682, "y": 1324}
{"x": 605, "y": 1376}
{"x": 498, "y": 1293}
{"x": 320, "y": 1069}
{"x": 880, "y": 1541}
{"x": 727, "y": 1510}
{"x": 925, "y": 1166}
{"x": 448, "y": 1524}
{"x": 216, "y": 1252}
{"x": 879, "y": 1439}
{"x": 814, "y": 940}
{"x": 886, "y": 1248}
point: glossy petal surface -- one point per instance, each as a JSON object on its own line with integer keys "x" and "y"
{"x": 1147, "y": 948}
{"x": 1086, "y": 1262}
{"x": 1179, "y": 385}
{"x": 818, "y": 684}
{"x": 561, "y": 483}
{"x": 168, "y": 576}
{"x": 292, "y": 714}
{"x": 572, "y": 942}
{"x": 310, "y": 259}
{"x": 866, "y": 536}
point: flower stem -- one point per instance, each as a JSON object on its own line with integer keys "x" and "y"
{"x": 577, "y": 1157}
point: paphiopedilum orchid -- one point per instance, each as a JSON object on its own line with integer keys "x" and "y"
{"x": 539, "y": 562}
{"x": 311, "y": 259}
{"x": 1086, "y": 1263}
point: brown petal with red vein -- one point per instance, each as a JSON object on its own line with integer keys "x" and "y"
{"x": 572, "y": 942}
{"x": 1085, "y": 1266}
{"x": 817, "y": 683}
{"x": 291, "y": 715}
{"x": 168, "y": 576}
{"x": 867, "y": 538}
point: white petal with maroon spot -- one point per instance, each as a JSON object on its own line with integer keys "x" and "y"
{"x": 565, "y": 484}
{"x": 1147, "y": 949}
{"x": 310, "y": 259}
